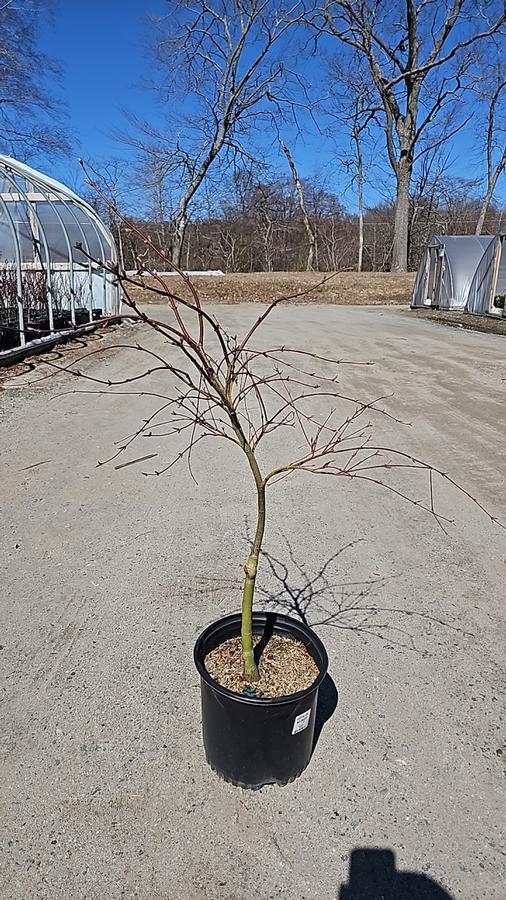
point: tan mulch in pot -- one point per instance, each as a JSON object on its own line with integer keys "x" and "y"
{"x": 285, "y": 667}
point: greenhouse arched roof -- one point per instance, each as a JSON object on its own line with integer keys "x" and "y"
{"x": 53, "y": 253}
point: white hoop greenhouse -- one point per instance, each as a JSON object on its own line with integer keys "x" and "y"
{"x": 488, "y": 288}
{"x": 53, "y": 250}
{"x": 447, "y": 270}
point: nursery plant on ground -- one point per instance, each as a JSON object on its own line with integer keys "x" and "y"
{"x": 233, "y": 388}
{"x": 260, "y": 672}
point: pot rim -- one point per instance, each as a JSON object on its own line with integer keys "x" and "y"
{"x": 261, "y": 701}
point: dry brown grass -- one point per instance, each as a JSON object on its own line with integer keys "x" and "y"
{"x": 346, "y": 288}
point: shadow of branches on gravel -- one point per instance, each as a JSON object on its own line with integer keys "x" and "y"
{"x": 322, "y": 598}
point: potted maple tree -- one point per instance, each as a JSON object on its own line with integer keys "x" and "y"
{"x": 260, "y": 672}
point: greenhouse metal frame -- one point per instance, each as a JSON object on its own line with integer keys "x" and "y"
{"x": 54, "y": 251}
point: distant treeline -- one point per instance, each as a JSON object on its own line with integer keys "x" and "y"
{"x": 267, "y": 233}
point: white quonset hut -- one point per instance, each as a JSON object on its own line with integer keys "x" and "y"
{"x": 488, "y": 288}
{"x": 447, "y": 269}
{"x": 53, "y": 250}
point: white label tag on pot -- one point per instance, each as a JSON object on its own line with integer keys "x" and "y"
{"x": 301, "y": 721}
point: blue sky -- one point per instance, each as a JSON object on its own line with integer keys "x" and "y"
{"x": 101, "y": 47}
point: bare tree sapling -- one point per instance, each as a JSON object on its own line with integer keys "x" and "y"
{"x": 235, "y": 389}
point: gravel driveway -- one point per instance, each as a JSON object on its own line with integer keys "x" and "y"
{"x": 109, "y": 575}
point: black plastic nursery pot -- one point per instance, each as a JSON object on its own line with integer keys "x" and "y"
{"x": 250, "y": 741}
{"x": 9, "y": 337}
{"x": 39, "y": 321}
{"x": 62, "y": 319}
{"x": 82, "y": 315}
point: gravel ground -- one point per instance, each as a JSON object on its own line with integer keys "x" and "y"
{"x": 109, "y": 576}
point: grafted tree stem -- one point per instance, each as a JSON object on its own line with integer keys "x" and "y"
{"x": 250, "y": 574}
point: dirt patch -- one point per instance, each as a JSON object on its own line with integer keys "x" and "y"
{"x": 346, "y": 288}
{"x": 285, "y": 667}
{"x": 455, "y": 319}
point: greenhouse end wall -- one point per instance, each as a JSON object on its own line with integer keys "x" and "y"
{"x": 448, "y": 271}
{"x": 54, "y": 256}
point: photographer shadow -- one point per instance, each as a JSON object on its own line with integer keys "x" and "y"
{"x": 373, "y": 876}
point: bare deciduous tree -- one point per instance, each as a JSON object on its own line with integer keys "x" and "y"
{"x": 355, "y": 108}
{"x": 418, "y": 55}
{"x": 30, "y": 114}
{"x": 235, "y": 389}
{"x": 427, "y": 215}
{"x": 221, "y": 58}
{"x": 114, "y": 176}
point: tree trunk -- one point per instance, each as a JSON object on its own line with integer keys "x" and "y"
{"x": 360, "y": 240}
{"x": 360, "y": 197}
{"x": 302, "y": 206}
{"x": 177, "y": 241}
{"x": 250, "y": 667}
{"x": 493, "y": 173}
{"x": 483, "y": 212}
{"x": 486, "y": 203}
{"x": 188, "y": 253}
{"x": 121, "y": 252}
{"x": 360, "y": 216}
{"x": 250, "y": 574}
{"x": 401, "y": 224}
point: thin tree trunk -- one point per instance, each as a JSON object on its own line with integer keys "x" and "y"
{"x": 493, "y": 172}
{"x": 177, "y": 241}
{"x": 251, "y": 566}
{"x": 188, "y": 253}
{"x": 121, "y": 252}
{"x": 302, "y": 206}
{"x": 360, "y": 192}
{"x": 250, "y": 574}
{"x": 483, "y": 212}
{"x": 267, "y": 244}
{"x": 360, "y": 238}
{"x": 488, "y": 197}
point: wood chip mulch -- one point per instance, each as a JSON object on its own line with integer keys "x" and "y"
{"x": 285, "y": 667}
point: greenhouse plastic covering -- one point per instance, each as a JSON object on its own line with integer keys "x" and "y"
{"x": 53, "y": 254}
{"x": 489, "y": 280}
{"x": 447, "y": 270}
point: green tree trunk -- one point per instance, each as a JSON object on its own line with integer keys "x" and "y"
{"x": 250, "y": 573}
